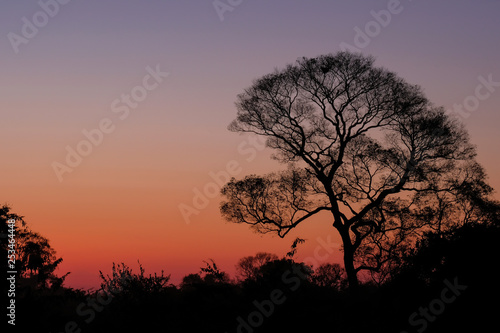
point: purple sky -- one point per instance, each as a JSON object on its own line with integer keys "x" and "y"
{"x": 66, "y": 76}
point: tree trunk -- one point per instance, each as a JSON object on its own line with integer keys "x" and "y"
{"x": 352, "y": 277}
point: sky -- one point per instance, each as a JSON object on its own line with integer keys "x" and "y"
{"x": 114, "y": 137}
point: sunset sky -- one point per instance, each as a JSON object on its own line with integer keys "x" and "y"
{"x": 71, "y": 67}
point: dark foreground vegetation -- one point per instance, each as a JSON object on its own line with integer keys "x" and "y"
{"x": 448, "y": 283}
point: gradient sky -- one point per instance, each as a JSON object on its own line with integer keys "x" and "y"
{"x": 122, "y": 202}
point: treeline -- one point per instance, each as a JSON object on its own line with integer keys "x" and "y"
{"x": 447, "y": 283}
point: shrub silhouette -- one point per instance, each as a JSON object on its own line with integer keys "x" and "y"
{"x": 122, "y": 280}
{"x": 210, "y": 301}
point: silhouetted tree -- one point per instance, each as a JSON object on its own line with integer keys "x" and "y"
{"x": 468, "y": 251}
{"x": 36, "y": 260}
{"x": 271, "y": 273}
{"x": 212, "y": 273}
{"x": 329, "y": 275}
{"x": 465, "y": 255}
{"x": 248, "y": 268}
{"x": 191, "y": 280}
{"x": 361, "y": 144}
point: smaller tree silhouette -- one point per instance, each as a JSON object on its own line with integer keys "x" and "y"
{"x": 212, "y": 273}
{"x": 191, "y": 281}
{"x": 271, "y": 273}
{"x": 248, "y": 268}
{"x": 330, "y": 276}
{"x": 36, "y": 260}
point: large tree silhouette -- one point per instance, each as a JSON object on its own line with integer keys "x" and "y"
{"x": 361, "y": 144}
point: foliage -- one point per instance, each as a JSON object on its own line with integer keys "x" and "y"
{"x": 362, "y": 145}
{"x": 36, "y": 261}
{"x": 329, "y": 276}
{"x": 148, "y": 302}
{"x": 212, "y": 273}
{"x": 124, "y": 281}
{"x": 249, "y": 268}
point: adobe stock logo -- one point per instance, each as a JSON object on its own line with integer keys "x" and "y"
{"x": 291, "y": 280}
{"x": 223, "y": 6}
{"x": 425, "y": 315}
{"x": 373, "y": 28}
{"x": 96, "y": 302}
{"x": 202, "y": 196}
{"x": 482, "y": 92}
{"x": 40, "y": 19}
{"x": 95, "y": 136}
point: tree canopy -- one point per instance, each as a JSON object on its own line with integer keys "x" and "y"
{"x": 361, "y": 144}
{"x": 35, "y": 260}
